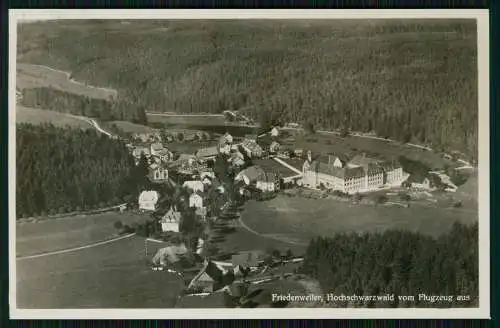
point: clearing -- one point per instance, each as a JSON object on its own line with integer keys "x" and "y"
{"x": 114, "y": 275}
{"x": 61, "y": 233}
{"x": 297, "y": 219}
{"x": 36, "y": 76}
{"x": 40, "y": 116}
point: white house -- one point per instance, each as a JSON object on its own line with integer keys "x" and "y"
{"x": 194, "y": 186}
{"x": 170, "y": 221}
{"x": 156, "y": 148}
{"x": 275, "y": 132}
{"x": 148, "y": 200}
{"x": 158, "y": 173}
{"x": 274, "y": 147}
{"x": 208, "y": 174}
{"x": 206, "y": 181}
{"x": 195, "y": 200}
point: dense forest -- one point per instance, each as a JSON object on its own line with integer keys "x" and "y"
{"x": 400, "y": 263}
{"x": 62, "y": 170}
{"x": 411, "y": 80}
{"x": 60, "y": 101}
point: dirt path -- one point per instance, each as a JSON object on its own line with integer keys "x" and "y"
{"x": 74, "y": 249}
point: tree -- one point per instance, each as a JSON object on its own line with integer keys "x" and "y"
{"x": 381, "y": 199}
{"x": 180, "y": 136}
{"x": 118, "y": 225}
{"x": 309, "y": 127}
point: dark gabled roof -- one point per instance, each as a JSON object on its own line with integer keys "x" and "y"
{"x": 207, "y": 152}
{"x": 253, "y": 172}
{"x": 268, "y": 177}
{"x": 245, "y": 259}
{"x": 336, "y": 171}
{"x": 362, "y": 160}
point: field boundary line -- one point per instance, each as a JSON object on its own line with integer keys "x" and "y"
{"x": 74, "y": 249}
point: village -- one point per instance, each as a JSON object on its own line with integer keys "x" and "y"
{"x": 192, "y": 194}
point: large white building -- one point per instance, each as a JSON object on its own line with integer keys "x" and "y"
{"x": 361, "y": 174}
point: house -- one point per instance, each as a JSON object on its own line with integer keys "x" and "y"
{"x": 236, "y": 159}
{"x": 194, "y": 186}
{"x": 298, "y": 152}
{"x": 138, "y": 151}
{"x": 206, "y": 181}
{"x": 170, "y": 221}
{"x": 250, "y": 175}
{"x": 195, "y": 201}
{"x": 156, "y": 148}
{"x": 358, "y": 175}
{"x": 225, "y": 148}
{"x": 208, "y": 280}
{"x": 227, "y": 138}
{"x": 208, "y": 174}
{"x": 157, "y": 173}
{"x": 268, "y": 181}
{"x": 207, "y": 153}
{"x": 247, "y": 259}
{"x": 423, "y": 184}
{"x": 252, "y": 148}
{"x": 274, "y": 147}
{"x": 284, "y": 153}
{"x": 275, "y": 132}
{"x": 165, "y": 155}
{"x": 148, "y": 200}
{"x": 169, "y": 255}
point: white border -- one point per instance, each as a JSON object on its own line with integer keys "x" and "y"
{"x": 483, "y": 312}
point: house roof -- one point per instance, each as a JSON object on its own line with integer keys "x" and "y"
{"x": 336, "y": 171}
{"x": 171, "y": 216}
{"x": 194, "y": 185}
{"x": 251, "y": 144}
{"x": 156, "y": 146}
{"x": 207, "y": 152}
{"x": 270, "y": 177}
{"x": 149, "y": 196}
{"x": 362, "y": 160}
{"x": 252, "y": 172}
{"x": 209, "y": 272}
{"x": 245, "y": 259}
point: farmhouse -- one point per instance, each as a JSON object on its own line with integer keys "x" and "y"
{"x": 275, "y": 132}
{"x": 158, "y": 173}
{"x": 194, "y": 186}
{"x": 246, "y": 259}
{"x": 250, "y": 174}
{"x": 209, "y": 279}
{"x": 138, "y": 151}
{"x": 359, "y": 175}
{"x": 207, "y": 153}
{"x": 236, "y": 159}
{"x": 268, "y": 181}
{"x": 274, "y": 147}
{"x": 227, "y": 138}
{"x": 252, "y": 148}
{"x": 195, "y": 201}
{"x": 156, "y": 147}
{"x": 148, "y": 200}
{"x": 170, "y": 221}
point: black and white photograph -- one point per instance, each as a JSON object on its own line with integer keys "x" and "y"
{"x": 249, "y": 164}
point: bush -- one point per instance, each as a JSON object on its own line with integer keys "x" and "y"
{"x": 118, "y": 225}
{"x": 381, "y": 199}
{"x": 457, "y": 204}
{"x": 404, "y": 197}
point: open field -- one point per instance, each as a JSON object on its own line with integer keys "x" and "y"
{"x": 185, "y": 120}
{"x": 56, "y": 234}
{"x": 36, "y": 76}
{"x": 129, "y": 127}
{"x": 39, "y": 116}
{"x": 299, "y": 219}
{"x": 114, "y": 275}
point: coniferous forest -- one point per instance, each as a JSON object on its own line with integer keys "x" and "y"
{"x": 70, "y": 103}
{"x": 400, "y": 263}
{"x": 61, "y": 170}
{"x": 410, "y": 80}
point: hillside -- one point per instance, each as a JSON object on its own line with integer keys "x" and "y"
{"x": 412, "y": 81}
{"x": 41, "y": 116}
